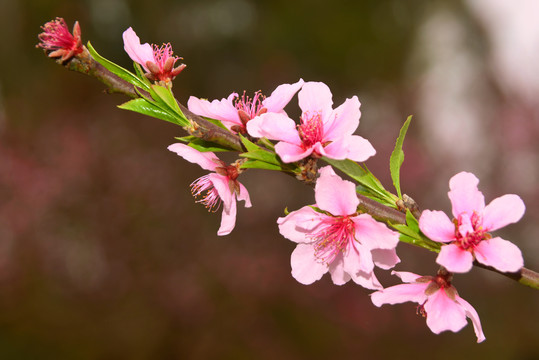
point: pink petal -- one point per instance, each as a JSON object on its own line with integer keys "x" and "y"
{"x": 338, "y": 275}
{"x": 454, "y": 259}
{"x": 335, "y": 195}
{"x": 357, "y": 258}
{"x": 343, "y": 121}
{"x": 367, "y": 280}
{"x": 305, "y": 267}
{"x": 336, "y": 150}
{"x": 405, "y": 276}
{"x": 223, "y": 109}
{"x": 444, "y": 313}
{"x": 374, "y": 234}
{"x": 437, "y": 226}
{"x": 137, "y": 52}
{"x": 275, "y": 127}
{"x": 315, "y": 97}
{"x": 385, "y": 258}
{"x": 206, "y": 160}
{"x": 472, "y": 315}
{"x": 464, "y": 195}
{"x": 244, "y": 195}
{"x": 281, "y": 96}
{"x": 359, "y": 149}
{"x": 503, "y": 211}
{"x": 400, "y": 293}
{"x": 353, "y": 147}
{"x": 298, "y": 224}
{"x": 220, "y": 183}
{"x": 228, "y": 219}
{"x": 290, "y": 152}
{"x": 500, "y": 254}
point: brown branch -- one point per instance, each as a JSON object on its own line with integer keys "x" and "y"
{"x": 84, "y": 63}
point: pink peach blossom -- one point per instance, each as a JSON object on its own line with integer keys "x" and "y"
{"x": 336, "y": 238}
{"x": 438, "y": 301}
{"x": 158, "y": 62}
{"x": 58, "y": 41}
{"x": 215, "y": 188}
{"x": 323, "y": 131}
{"x": 468, "y": 234}
{"x": 235, "y": 112}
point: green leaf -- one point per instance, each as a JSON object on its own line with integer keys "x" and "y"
{"x": 165, "y": 95}
{"x": 202, "y": 145}
{"x": 140, "y": 74}
{"x": 262, "y": 155}
{"x": 146, "y": 107}
{"x": 365, "y": 178}
{"x": 250, "y": 146}
{"x": 257, "y": 164}
{"x": 117, "y": 69}
{"x": 411, "y": 221}
{"x": 397, "y": 157}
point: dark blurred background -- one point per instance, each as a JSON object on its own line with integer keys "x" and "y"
{"x": 103, "y": 253}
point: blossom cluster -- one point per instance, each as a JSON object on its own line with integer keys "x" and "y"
{"x": 333, "y": 235}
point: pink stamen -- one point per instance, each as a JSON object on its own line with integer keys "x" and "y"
{"x": 252, "y": 107}
{"x": 311, "y": 129}
{"x": 57, "y": 39}
{"x": 162, "y": 54}
{"x": 334, "y": 237}
{"x": 472, "y": 238}
{"x": 203, "y": 188}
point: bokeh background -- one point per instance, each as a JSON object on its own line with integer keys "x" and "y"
{"x": 103, "y": 253}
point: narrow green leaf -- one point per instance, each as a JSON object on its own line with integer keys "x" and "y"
{"x": 117, "y": 69}
{"x": 166, "y": 96}
{"x": 248, "y": 144}
{"x": 140, "y": 74}
{"x": 145, "y": 107}
{"x": 257, "y": 164}
{"x": 262, "y": 155}
{"x": 202, "y": 145}
{"x": 411, "y": 221}
{"x": 397, "y": 157}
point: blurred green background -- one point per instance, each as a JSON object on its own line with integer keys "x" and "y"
{"x": 103, "y": 253}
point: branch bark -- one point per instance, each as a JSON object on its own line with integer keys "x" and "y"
{"x": 84, "y": 63}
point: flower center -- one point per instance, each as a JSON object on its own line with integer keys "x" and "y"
{"x": 333, "y": 237}
{"x": 249, "y": 108}
{"x": 162, "y": 54}
{"x": 203, "y": 189}
{"x": 469, "y": 231}
{"x": 311, "y": 129}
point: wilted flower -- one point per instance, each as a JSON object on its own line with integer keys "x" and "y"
{"x": 438, "y": 301}
{"x": 157, "y": 61}
{"x": 323, "y": 131}
{"x": 235, "y": 112}
{"x": 336, "y": 238}
{"x": 215, "y": 188}
{"x": 58, "y": 41}
{"x": 468, "y": 234}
